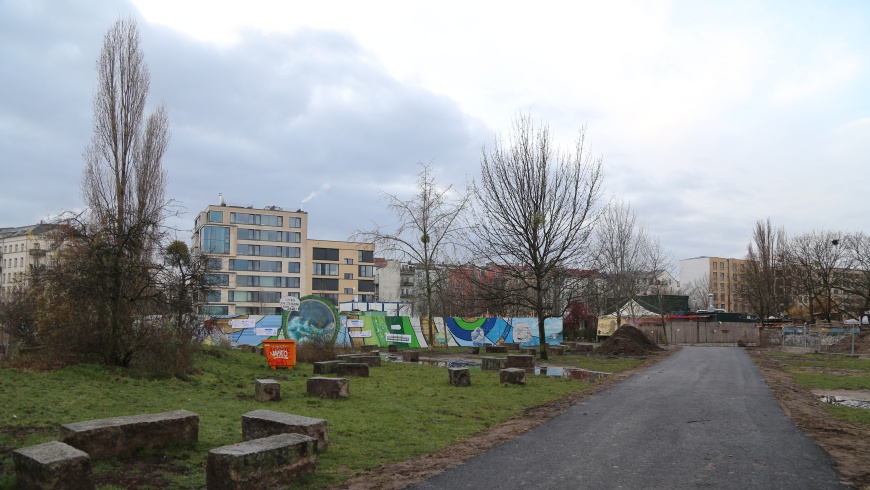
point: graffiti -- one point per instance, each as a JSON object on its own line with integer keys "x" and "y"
{"x": 410, "y": 332}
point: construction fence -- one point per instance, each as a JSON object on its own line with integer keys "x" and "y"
{"x": 828, "y": 337}
{"x": 702, "y": 331}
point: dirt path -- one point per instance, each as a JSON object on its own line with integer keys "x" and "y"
{"x": 847, "y": 443}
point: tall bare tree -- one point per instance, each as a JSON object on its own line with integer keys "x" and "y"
{"x": 766, "y": 285}
{"x": 621, "y": 252}
{"x": 816, "y": 260}
{"x": 535, "y": 207}
{"x": 857, "y": 281}
{"x": 659, "y": 264}
{"x": 423, "y": 233}
{"x": 118, "y": 239}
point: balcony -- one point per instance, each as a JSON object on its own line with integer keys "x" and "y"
{"x": 37, "y": 252}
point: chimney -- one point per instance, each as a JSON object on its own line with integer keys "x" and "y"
{"x": 221, "y": 199}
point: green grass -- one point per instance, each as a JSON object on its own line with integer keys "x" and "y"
{"x": 401, "y": 411}
{"x": 831, "y": 372}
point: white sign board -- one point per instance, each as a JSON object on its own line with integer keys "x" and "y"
{"x": 242, "y": 323}
{"x": 360, "y": 335}
{"x": 355, "y": 323}
{"x": 267, "y": 331}
{"x": 289, "y": 303}
{"x": 401, "y": 338}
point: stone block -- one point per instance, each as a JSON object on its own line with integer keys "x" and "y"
{"x": 268, "y": 463}
{"x": 265, "y": 423}
{"x": 496, "y": 349}
{"x": 459, "y": 376}
{"x": 410, "y": 356}
{"x": 585, "y": 375}
{"x": 474, "y": 350}
{"x": 326, "y": 367}
{"x": 491, "y": 363}
{"x": 371, "y": 361}
{"x": 328, "y": 387}
{"x": 514, "y": 376}
{"x": 512, "y": 346}
{"x": 529, "y": 351}
{"x": 358, "y": 369}
{"x": 392, "y": 348}
{"x": 116, "y": 436}
{"x": 556, "y": 350}
{"x": 267, "y": 390}
{"x": 53, "y": 465}
{"x": 520, "y": 361}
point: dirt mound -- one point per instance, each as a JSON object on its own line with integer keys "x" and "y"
{"x": 844, "y": 345}
{"x": 627, "y": 341}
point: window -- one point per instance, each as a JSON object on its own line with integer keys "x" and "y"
{"x": 215, "y": 240}
{"x": 293, "y": 267}
{"x": 215, "y": 216}
{"x": 214, "y": 310}
{"x": 365, "y": 298}
{"x": 214, "y": 264}
{"x": 330, "y": 296}
{"x": 217, "y": 279}
{"x": 294, "y": 294}
{"x": 213, "y": 296}
{"x": 366, "y": 286}
{"x": 295, "y": 222}
{"x": 367, "y": 256}
{"x": 255, "y": 265}
{"x": 270, "y": 220}
{"x": 245, "y": 218}
{"x": 321, "y": 284}
{"x": 348, "y": 275}
{"x": 366, "y": 271}
{"x": 715, "y": 264}
{"x": 348, "y": 290}
{"x": 325, "y": 254}
{"x": 715, "y": 275}
{"x": 722, "y": 266}
{"x": 324, "y": 269}
{"x": 348, "y": 261}
{"x": 267, "y": 250}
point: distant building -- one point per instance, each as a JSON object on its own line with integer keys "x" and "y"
{"x": 258, "y": 256}
{"x": 22, "y": 249}
{"x": 722, "y": 277}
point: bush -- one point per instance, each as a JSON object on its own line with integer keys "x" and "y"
{"x": 317, "y": 347}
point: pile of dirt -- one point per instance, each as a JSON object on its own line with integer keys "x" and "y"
{"x": 844, "y": 345}
{"x": 627, "y": 341}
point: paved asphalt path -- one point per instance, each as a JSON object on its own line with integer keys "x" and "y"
{"x": 703, "y": 418}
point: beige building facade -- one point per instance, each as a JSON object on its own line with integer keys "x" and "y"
{"x": 21, "y": 250}
{"x": 723, "y": 278}
{"x": 258, "y": 256}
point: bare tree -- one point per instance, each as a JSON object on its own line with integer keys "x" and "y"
{"x": 816, "y": 261}
{"x": 621, "y": 252}
{"x": 535, "y": 207}
{"x": 425, "y": 223}
{"x": 697, "y": 292}
{"x": 766, "y": 285}
{"x": 659, "y": 263}
{"x": 116, "y": 242}
{"x": 857, "y": 281}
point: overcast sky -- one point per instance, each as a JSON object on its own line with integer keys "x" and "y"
{"x": 708, "y": 115}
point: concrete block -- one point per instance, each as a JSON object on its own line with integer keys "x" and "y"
{"x": 53, "y": 465}
{"x": 515, "y": 376}
{"x": 328, "y": 387}
{"x": 358, "y": 369}
{"x": 410, "y": 356}
{"x": 459, "y": 376}
{"x": 496, "y": 349}
{"x": 267, "y": 390}
{"x": 265, "y": 423}
{"x": 491, "y": 363}
{"x": 116, "y": 436}
{"x": 326, "y": 367}
{"x": 520, "y": 361}
{"x": 268, "y": 463}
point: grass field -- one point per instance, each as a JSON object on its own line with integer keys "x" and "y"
{"x": 400, "y": 411}
{"x": 832, "y": 372}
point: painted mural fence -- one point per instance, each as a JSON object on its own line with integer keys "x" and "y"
{"x": 378, "y": 329}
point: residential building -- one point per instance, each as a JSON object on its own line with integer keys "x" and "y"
{"x": 722, "y": 277}
{"x": 257, "y": 256}
{"x": 22, "y": 249}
